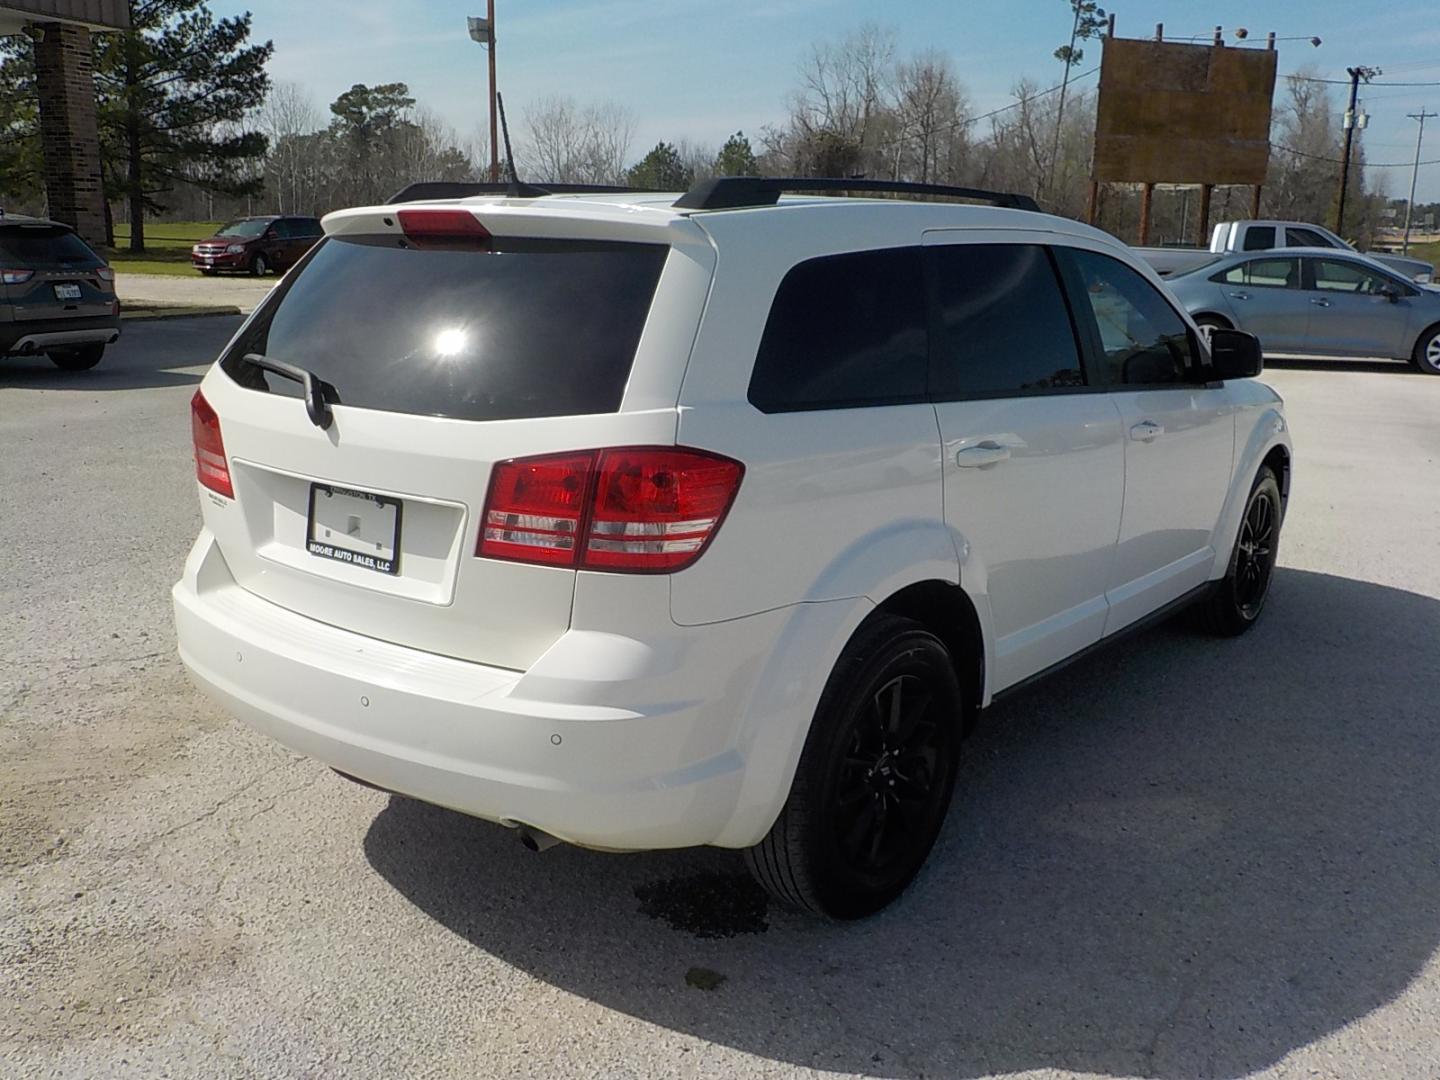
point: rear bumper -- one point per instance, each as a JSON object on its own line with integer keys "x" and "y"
{"x": 42, "y": 335}
{"x": 550, "y": 748}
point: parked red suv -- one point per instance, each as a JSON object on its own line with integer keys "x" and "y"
{"x": 257, "y": 245}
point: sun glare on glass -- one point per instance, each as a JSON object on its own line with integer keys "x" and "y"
{"x": 450, "y": 342}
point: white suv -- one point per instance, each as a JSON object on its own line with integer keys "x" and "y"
{"x": 642, "y": 523}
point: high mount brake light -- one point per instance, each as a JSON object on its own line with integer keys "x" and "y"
{"x": 211, "y": 467}
{"x": 646, "y": 509}
{"x": 442, "y": 225}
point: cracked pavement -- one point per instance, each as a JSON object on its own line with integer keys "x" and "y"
{"x": 1178, "y": 858}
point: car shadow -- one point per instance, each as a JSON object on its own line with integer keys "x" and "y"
{"x": 1181, "y": 857}
{"x": 150, "y": 353}
{"x": 1320, "y": 363}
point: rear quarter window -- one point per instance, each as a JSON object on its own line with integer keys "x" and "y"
{"x": 845, "y": 331}
{"x": 521, "y": 328}
{"x": 1259, "y": 238}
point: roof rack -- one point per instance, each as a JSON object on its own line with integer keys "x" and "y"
{"x": 731, "y": 192}
{"x": 447, "y": 189}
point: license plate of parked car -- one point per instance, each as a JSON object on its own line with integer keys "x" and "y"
{"x": 354, "y": 527}
{"x": 67, "y": 292}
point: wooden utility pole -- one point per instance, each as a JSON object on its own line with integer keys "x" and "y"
{"x": 1422, "y": 116}
{"x": 1147, "y": 191}
{"x": 1356, "y": 74}
{"x": 494, "y": 126}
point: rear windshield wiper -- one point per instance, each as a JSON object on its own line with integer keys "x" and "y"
{"x": 318, "y": 393}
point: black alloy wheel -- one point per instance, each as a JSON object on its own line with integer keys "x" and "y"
{"x": 875, "y": 778}
{"x": 1238, "y": 598}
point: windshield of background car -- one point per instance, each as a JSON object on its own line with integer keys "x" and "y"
{"x": 518, "y": 328}
{"x": 245, "y": 230}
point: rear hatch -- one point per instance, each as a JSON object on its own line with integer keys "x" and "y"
{"x": 61, "y": 274}
{"x": 446, "y": 354}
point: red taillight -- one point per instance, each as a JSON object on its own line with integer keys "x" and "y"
{"x": 15, "y": 277}
{"x": 535, "y": 509}
{"x": 211, "y": 468}
{"x": 637, "y": 510}
{"x": 105, "y": 274}
{"x": 442, "y": 225}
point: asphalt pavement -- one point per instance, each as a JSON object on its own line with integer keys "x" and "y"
{"x": 1179, "y": 858}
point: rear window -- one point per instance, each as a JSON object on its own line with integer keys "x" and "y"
{"x": 844, "y": 331}
{"x": 31, "y": 246}
{"x": 524, "y": 328}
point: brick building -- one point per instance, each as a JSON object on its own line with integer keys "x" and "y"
{"x": 65, "y": 82}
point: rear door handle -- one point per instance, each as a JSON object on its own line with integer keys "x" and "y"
{"x": 977, "y": 457}
{"x": 1240, "y": 295}
{"x": 1146, "y": 430}
{"x": 1320, "y": 303}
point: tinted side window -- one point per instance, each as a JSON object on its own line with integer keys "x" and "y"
{"x": 1263, "y": 273}
{"x": 1305, "y": 238}
{"x": 1144, "y": 340}
{"x": 1003, "y": 320}
{"x": 282, "y": 229}
{"x": 307, "y": 227}
{"x": 1260, "y": 238}
{"x": 845, "y": 330}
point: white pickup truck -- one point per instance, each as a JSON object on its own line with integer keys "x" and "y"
{"x": 1233, "y": 236}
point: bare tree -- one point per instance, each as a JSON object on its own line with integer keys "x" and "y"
{"x": 930, "y": 120}
{"x": 569, "y": 143}
{"x": 287, "y": 116}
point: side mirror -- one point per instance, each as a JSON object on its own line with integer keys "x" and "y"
{"x": 1235, "y": 354}
{"x": 1390, "y": 292}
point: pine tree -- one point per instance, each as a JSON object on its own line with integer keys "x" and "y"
{"x": 174, "y": 93}
{"x": 662, "y": 169}
{"x": 736, "y": 157}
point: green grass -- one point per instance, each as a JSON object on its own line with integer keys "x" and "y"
{"x": 1429, "y": 252}
{"x": 167, "y": 247}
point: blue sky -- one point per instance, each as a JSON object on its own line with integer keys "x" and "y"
{"x": 696, "y": 69}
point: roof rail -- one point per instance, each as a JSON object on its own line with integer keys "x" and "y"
{"x": 448, "y": 189}
{"x": 731, "y": 192}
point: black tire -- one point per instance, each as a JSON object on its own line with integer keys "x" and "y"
{"x": 1238, "y": 598}
{"x": 1426, "y": 356}
{"x": 843, "y": 847}
{"x": 81, "y": 359}
{"x": 259, "y": 267}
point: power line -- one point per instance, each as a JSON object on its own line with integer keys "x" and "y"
{"x": 1363, "y": 164}
{"x": 1346, "y": 82}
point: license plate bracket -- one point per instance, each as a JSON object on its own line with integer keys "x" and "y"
{"x": 355, "y": 527}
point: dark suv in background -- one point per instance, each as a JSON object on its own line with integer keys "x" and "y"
{"x": 57, "y": 296}
{"x": 257, "y": 245}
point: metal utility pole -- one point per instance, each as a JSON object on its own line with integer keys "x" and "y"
{"x": 1422, "y": 116}
{"x": 1356, "y": 74}
{"x": 482, "y": 32}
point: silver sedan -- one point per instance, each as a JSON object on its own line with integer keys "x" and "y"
{"x": 1316, "y": 302}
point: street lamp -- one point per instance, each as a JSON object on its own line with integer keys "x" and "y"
{"x": 482, "y": 32}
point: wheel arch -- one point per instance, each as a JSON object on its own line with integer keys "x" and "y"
{"x": 1224, "y": 320}
{"x": 947, "y": 611}
{"x": 1420, "y": 339}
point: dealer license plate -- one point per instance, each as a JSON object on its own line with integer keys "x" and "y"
{"x": 354, "y": 527}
